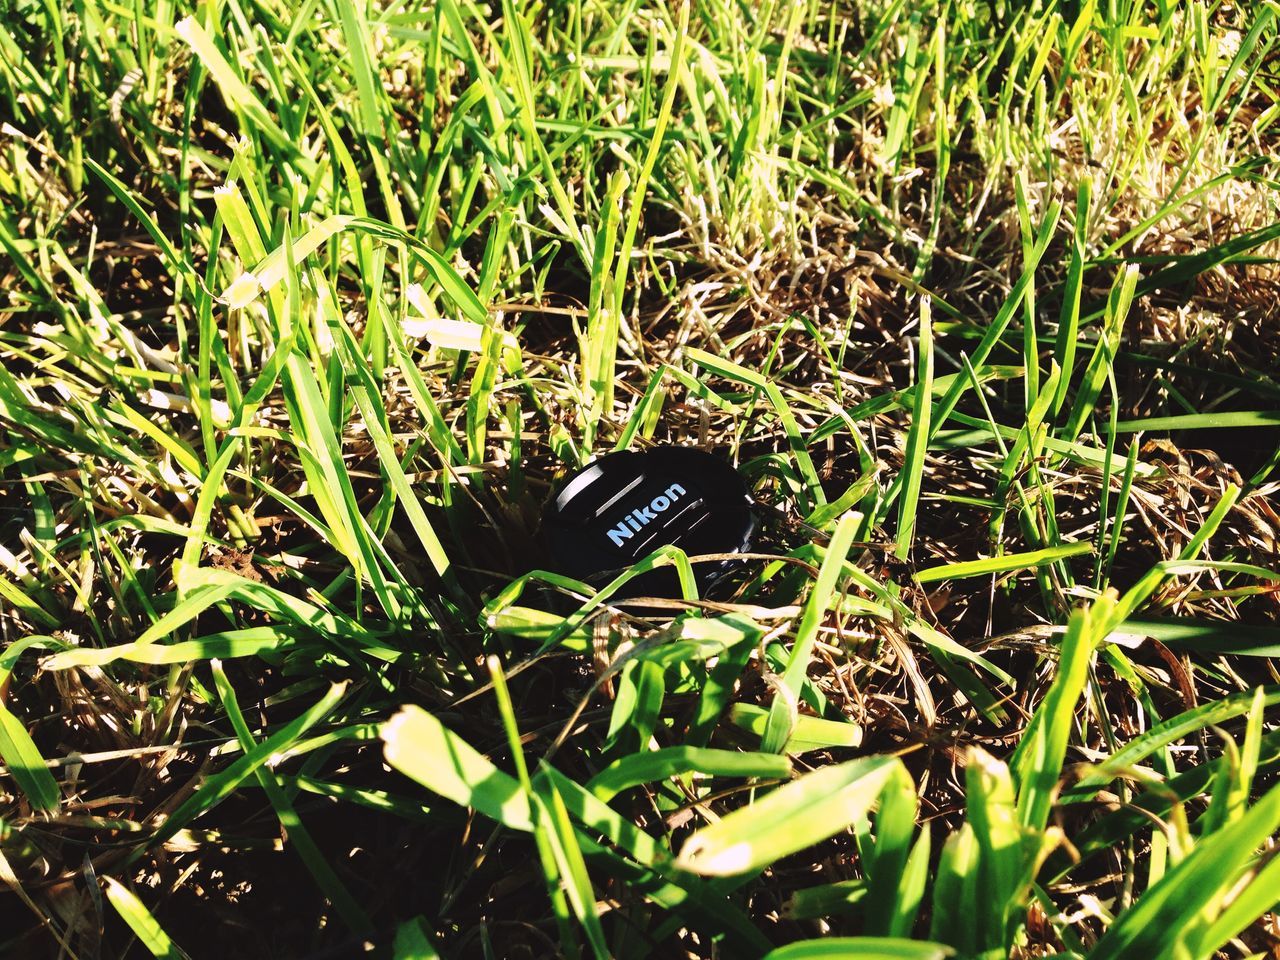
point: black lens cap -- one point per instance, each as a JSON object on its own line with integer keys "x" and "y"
{"x": 623, "y": 506}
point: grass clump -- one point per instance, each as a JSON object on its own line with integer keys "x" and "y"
{"x": 305, "y": 310}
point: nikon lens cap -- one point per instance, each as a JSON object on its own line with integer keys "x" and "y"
{"x": 620, "y": 508}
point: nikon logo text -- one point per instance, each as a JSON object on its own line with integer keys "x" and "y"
{"x": 633, "y": 522}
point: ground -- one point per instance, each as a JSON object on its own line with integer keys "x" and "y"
{"x": 306, "y": 310}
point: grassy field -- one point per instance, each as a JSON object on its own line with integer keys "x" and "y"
{"x": 306, "y": 308}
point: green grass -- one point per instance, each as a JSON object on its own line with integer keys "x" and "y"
{"x": 304, "y": 311}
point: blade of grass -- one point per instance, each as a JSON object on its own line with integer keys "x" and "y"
{"x": 782, "y": 713}
{"x": 298, "y": 835}
{"x": 144, "y": 926}
{"x": 1002, "y": 564}
{"x": 795, "y": 816}
{"x": 917, "y": 437}
{"x": 26, "y": 765}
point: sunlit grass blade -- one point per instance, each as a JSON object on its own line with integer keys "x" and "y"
{"x": 918, "y": 437}
{"x": 25, "y": 764}
{"x": 1177, "y": 914}
{"x": 776, "y": 399}
{"x": 782, "y": 713}
{"x": 790, "y": 818}
{"x": 861, "y": 948}
{"x": 423, "y": 749}
{"x": 140, "y": 920}
{"x": 1038, "y": 760}
{"x": 1002, "y": 564}
{"x": 675, "y": 761}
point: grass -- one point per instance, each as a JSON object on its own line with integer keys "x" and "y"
{"x": 305, "y": 309}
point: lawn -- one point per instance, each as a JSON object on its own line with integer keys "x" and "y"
{"x": 307, "y": 311}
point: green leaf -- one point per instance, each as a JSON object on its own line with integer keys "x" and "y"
{"x": 1170, "y": 919}
{"x": 1208, "y": 636}
{"x": 216, "y": 788}
{"x": 413, "y": 941}
{"x": 1043, "y": 748}
{"x": 1170, "y": 731}
{"x": 789, "y": 819}
{"x": 861, "y": 948}
{"x": 782, "y": 712}
{"x": 300, "y": 839}
{"x": 1233, "y": 420}
{"x": 356, "y": 33}
{"x": 917, "y": 436}
{"x": 1003, "y": 563}
{"x": 807, "y": 733}
{"x": 638, "y": 768}
{"x": 825, "y": 900}
{"x": 25, "y": 763}
{"x": 799, "y": 449}
{"x": 423, "y": 749}
{"x": 141, "y": 922}
{"x": 250, "y": 642}
{"x": 892, "y": 898}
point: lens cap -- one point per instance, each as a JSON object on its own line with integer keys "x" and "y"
{"x": 620, "y": 508}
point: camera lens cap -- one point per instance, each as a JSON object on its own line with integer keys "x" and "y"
{"x": 623, "y": 506}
